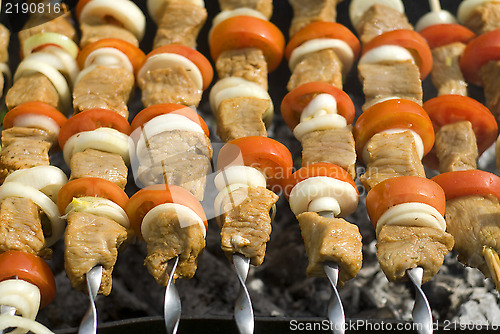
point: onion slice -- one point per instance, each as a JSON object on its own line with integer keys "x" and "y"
{"x": 52, "y": 38}
{"x": 22, "y": 295}
{"x": 8, "y": 321}
{"x": 100, "y": 207}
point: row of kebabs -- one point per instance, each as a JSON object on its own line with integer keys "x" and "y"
{"x": 231, "y": 59}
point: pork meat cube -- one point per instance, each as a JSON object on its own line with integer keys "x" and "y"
{"x": 456, "y": 147}
{"x": 484, "y": 18}
{"x": 263, "y": 6}
{"x": 23, "y": 153}
{"x": 94, "y": 33}
{"x": 490, "y": 74}
{"x": 32, "y": 87}
{"x": 246, "y": 63}
{"x": 306, "y": 12}
{"x": 446, "y": 74}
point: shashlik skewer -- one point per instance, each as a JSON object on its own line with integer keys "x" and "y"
{"x": 246, "y": 166}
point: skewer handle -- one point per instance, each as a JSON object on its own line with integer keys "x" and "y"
{"x": 243, "y": 312}
{"x": 422, "y": 314}
{"x": 89, "y": 321}
{"x": 172, "y": 304}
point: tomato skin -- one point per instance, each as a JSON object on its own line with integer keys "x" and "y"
{"x": 194, "y": 56}
{"x": 266, "y": 154}
{"x": 30, "y": 268}
{"x": 39, "y": 108}
{"x": 443, "y": 34}
{"x": 247, "y": 31}
{"x": 448, "y": 109}
{"x": 316, "y": 30}
{"x": 403, "y": 189}
{"x": 393, "y": 114}
{"x": 295, "y": 101}
{"x": 151, "y": 112}
{"x": 479, "y": 52}
{"x": 90, "y": 186}
{"x": 147, "y": 198}
{"x": 90, "y": 120}
{"x": 314, "y": 170}
{"x": 468, "y": 182}
{"x": 79, "y": 7}
{"x": 410, "y": 40}
{"x": 133, "y": 53}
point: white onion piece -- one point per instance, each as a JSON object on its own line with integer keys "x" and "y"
{"x": 358, "y": 7}
{"x": 8, "y": 321}
{"x": 102, "y": 139}
{"x": 16, "y": 189}
{"x": 47, "y": 179}
{"x": 341, "y": 49}
{"x": 46, "y": 37}
{"x": 239, "y": 174}
{"x": 433, "y": 18}
{"x": 160, "y": 124}
{"x": 4, "y": 68}
{"x": 124, "y": 11}
{"x": 466, "y": 8}
{"x": 324, "y": 122}
{"x": 419, "y": 144}
{"x": 38, "y": 122}
{"x": 232, "y": 87}
{"x": 322, "y": 104}
{"x": 22, "y": 295}
{"x": 221, "y": 196}
{"x": 156, "y": 7}
{"x": 386, "y": 54}
{"x": 70, "y": 65}
{"x": 109, "y": 57}
{"x": 29, "y": 66}
{"x": 165, "y": 60}
{"x": 324, "y": 204}
{"x": 313, "y": 188}
{"x": 185, "y": 216}
{"x": 242, "y": 11}
{"x": 412, "y": 214}
{"x": 100, "y": 207}
{"x": 83, "y": 73}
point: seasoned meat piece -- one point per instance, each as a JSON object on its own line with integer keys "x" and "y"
{"x": 2, "y": 85}
{"x": 32, "y": 87}
{"x": 94, "y": 33}
{"x": 322, "y": 66}
{"x": 331, "y": 239}
{"x": 401, "y": 79}
{"x": 90, "y": 240}
{"x": 335, "y": 146}
{"x": 48, "y": 22}
{"x": 484, "y": 18}
{"x": 168, "y": 237}
{"x": 446, "y": 73}
{"x": 241, "y": 117}
{"x": 379, "y": 19}
{"x": 10, "y": 135}
{"x": 490, "y": 74}
{"x": 456, "y": 147}
{"x": 21, "y": 227}
{"x": 473, "y": 222}
{"x": 248, "y": 63}
{"x": 400, "y": 248}
{"x": 93, "y": 163}
{"x": 104, "y": 87}
{"x": 309, "y": 11}
{"x": 177, "y": 157}
{"x": 23, "y": 153}
{"x": 245, "y": 222}
{"x": 263, "y": 6}
{"x": 169, "y": 85}
{"x": 180, "y": 23}
{"x": 391, "y": 155}
{"x": 4, "y": 43}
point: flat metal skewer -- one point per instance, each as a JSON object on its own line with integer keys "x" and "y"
{"x": 89, "y": 321}
{"x": 172, "y": 304}
{"x": 243, "y": 312}
{"x": 9, "y": 310}
{"x": 422, "y": 313}
{"x": 336, "y": 313}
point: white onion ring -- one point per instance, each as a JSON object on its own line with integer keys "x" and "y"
{"x": 100, "y": 207}
{"x": 38, "y": 121}
{"x": 241, "y": 175}
{"x": 109, "y": 57}
{"x": 7, "y": 321}
{"x": 22, "y": 295}
{"x": 47, "y": 37}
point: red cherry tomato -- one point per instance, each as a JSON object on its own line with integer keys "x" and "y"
{"x": 444, "y": 34}
{"x": 38, "y": 108}
{"x": 468, "y": 182}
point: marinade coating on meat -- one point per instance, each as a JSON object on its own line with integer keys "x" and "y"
{"x": 48, "y": 22}
{"x": 379, "y": 19}
{"x": 104, "y": 87}
{"x": 34, "y": 87}
{"x": 245, "y": 222}
{"x": 331, "y": 240}
{"x": 446, "y": 74}
{"x": 490, "y": 74}
{"x": 322, "y": 66}
{"x": 247, "y": 63}
{"x": 484, "y": 18}
{"x": 91, "y": 240}
{"x": 309, "y": 11}
{"x": 456, "y": 147}
{"x": 263, "y": 6}
{"x": 94, "y": 33}
{"x": 400, "y": 248}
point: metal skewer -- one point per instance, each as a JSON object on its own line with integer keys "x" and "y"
{"x": 89, "y": 321}
{"x": 9, "y": 310}
{"x": 172, "y": 304}
{"x": 421, "y": 310}
{"x": 435, "y": 5}
{"x": 336, "y": 313}
{"x": 243, "y": 312}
